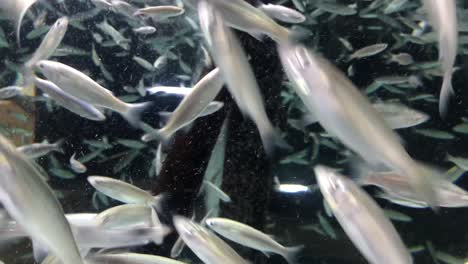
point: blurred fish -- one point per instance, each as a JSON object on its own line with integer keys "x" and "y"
{"x": 77, "y": 166}
{"x": 123, "y": 192}
{"x": 68, "y": 101}
{"x": 403, "y": 59}
{"x": 368, "y": 51}
{"x": 459, "y": 161}
{"x": 80, "y": 85}
{"x": 170, "y": 90}
{"x": 282, "y": 13}
{"x": 345, "y": 113}
{"x": 37, "y": 150}
{"x": 435, "y": 133}
{"x": 10, "y": 92}
{"x": 116, "y": 36}
{"x": 128, "y": 216}
{"x": 218, "y": 192}
{"x": 31, "y": 202}
{"x": 443, "y": 17}
{"x": 362, "y": 219}
{"x": 15, "y": 10}
{"x": 234, "y": 67}
{"x": 50, "y": 42}
{"x": 130, "y": 258}
{"x": 202, "y": 94}
{"x": 206, "y": 245}
{"x": 160, "y": 12}
{"x": 400, "y": 116}
{"x": 145, "y": 30}
{"x": 251, "y": 237}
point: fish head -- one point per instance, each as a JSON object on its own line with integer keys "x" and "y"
{"x": 61, "y": 25}
{"x": 331, "y": 184}
{"x": 48, "y": 68}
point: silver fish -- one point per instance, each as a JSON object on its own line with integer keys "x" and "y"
{"x": 77, "y": 166}
{"x": 206, "y": 245}
{"x": 15, "y": 10}
{"x": 37, "y": 150}
{"x": 50, "y": 42}
{"x": 68, "y": 101}
{"x": 32, "y": 203}
{"x": 241, "y": 15}
{"x": 131, "y": 258}
{"x": 362, "y": 219}
{"x": 160, "y": 12}
{"x": 368, "y": 51}
{"x": 218, "y": 192}
{"x": 251, "y": 237}
{"x": 122, "y": 191}
{"x": 191, "y": 106}
{"x": 345, "y": 113}
{"x": 128, "y": 216}
{"x": 283, "y": 13}
{"x": 80, "y": 85}
{"x": 10, "y": 92}
{"x": 443, "y": 17}
{"x": 235, "y": 69}
{"x": 114, "y": 34}
{"x": 400, "y": 116}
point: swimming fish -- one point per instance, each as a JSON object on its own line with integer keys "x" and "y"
{"x": 32, "y": 203}
{"x": 160, "y": 12}
{"x": 202, "y": 94}
{"x": 50, "y": 42}
{"x": 219, "y": 193}
{"x": 128, "y": 216}
{"x": 345, "y": 113}
{"x": 206, "y": 245}
{"x": 361, "y": 218}
{"x": 80, "y": 85}
{"x": 251, "y": 237}
{"x": 368, "y": 51}
{"x": 10, "y": 92}
{"x": 282, "y": 13}
{"x": 15, "y": 10}
{"x": 145, "y": 30}
{"x": 123, "y": 192}
{"x": 77, "y": 166}
{"x": 236, "y": 71}
{"x": 68, "y": 101}
{"x": 131, "y": 258}
{"x": 37, "y": 150}
{"x": 443, "y": 17}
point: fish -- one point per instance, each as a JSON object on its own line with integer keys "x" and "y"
{"x": 77, "y": 166}
{"x": 116, "y": 36}
{"x": 235, "y": 69}
{"x": 459, "y": 161}
{"x": 160, "y": 12}
{"x": 131, "y": 258}
{"x": 145, "y": 30}
{"x": 435, "y": 133}
{"x": 68, "y": 101}
{"x": 245, "y": 17}
{"x": 37, "y": 150}
{"x": 403, "y": 58}
{"x": 326, "y": 225}
{"x": 219, "y": 193}
{"x": 32, "y": 203}
{"x": 251, "y": 237}
{"x": 143, "y": 63}
{"x": 345, "y": 113}
{"x": 368, "y": 51}
{"x": 443, "y": 17}
{"x": 123, "y": 192}
{"x": 50, "y": 42}
{"x": 202, "y": 94}
{"x": 15, "y": 11}
{"x": 170, "y": 90}
{"x": 396, "y": 185}
{"x": 292, "y": 188}
{"x": 206, "y": 245}
{"x": 361, "y": 218}
{"x": 81, "y": 86}
{"x": 128, "y": 216}
{"x": 282, "y": 13}
{"x": 10, "y": 92}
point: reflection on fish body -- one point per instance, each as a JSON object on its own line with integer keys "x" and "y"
{"x": 361, "y": 218}
{"x": 345, "y": 113}
{"x": 443, "y": 17}
{"x": 206, "y": 245}
{"x": 80, "y": 85}
{"x": 31, "y": 202}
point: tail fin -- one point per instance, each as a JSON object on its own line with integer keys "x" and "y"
{"x": 58, "y": 145}
{"x": 445, "y": 93}
{"x": 291, "y": 254}
{"x": 133, "y": 113}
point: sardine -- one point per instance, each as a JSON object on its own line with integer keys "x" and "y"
{"x": 251, "y": 237}
{"x": 368, "y": 51}
{"x": 362, "y": 219}
{"x": 77, "y": 166}
{"x": 80, "y": 85}
{"x": 282, "y": 13}
{"x": 68, "y": 101}
{"x": 10, "y": 92}
{"x": 345, "y": 113}
{"x": 443, "y": 17}
{"x": 37, "y": 150}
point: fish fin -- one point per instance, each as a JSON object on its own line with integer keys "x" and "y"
{"x": 59, "y": 145}
{"x": 445, "y": 93}
{"x": 292, "y": 254}
{"x": 133, "y": 113}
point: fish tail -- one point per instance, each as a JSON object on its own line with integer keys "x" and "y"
{"x": 133, "y": 113}
{"x": 59, "y": 145}
{"x": 445, "y": 93}
{"x": 160, "y": 135}
{"x": 292, "y": 254}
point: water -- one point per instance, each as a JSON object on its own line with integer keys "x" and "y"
{"x": 225, "y": 147}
